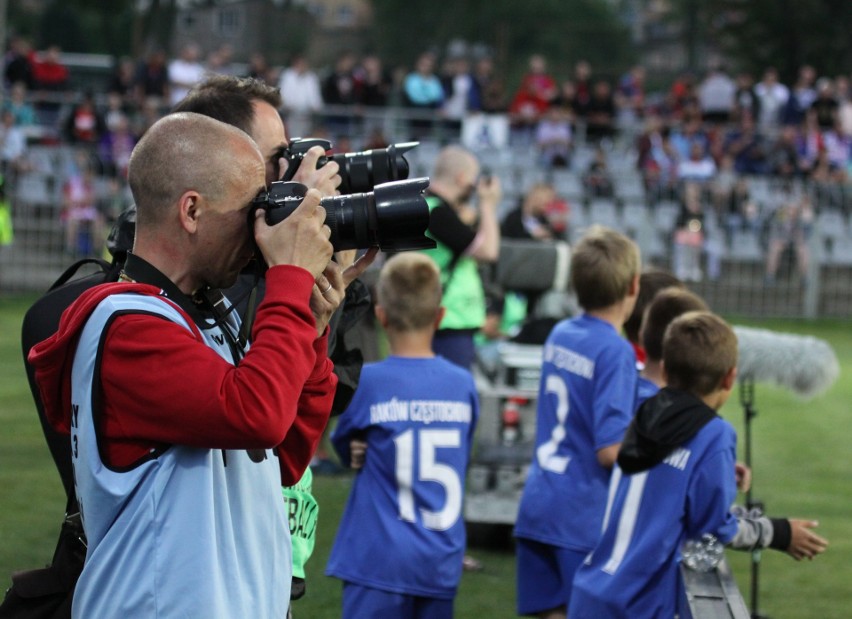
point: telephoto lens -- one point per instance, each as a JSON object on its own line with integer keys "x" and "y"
{"x": 393, "y": 217}
{"x": 359, "y": 172}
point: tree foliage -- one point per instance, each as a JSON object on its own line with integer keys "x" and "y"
{"x": 785, "y": 34}
{"x": 564, "y": 31}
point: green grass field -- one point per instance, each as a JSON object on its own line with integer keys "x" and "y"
{"x": 802, "y": 463}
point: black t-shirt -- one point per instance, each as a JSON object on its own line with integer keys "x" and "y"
{"x": 446, "y": 227}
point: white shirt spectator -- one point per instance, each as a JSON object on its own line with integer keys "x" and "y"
{"x": 716, "y": 93}
{"x": 184, "y": 73}
{"x": 300, "y": 91}
{"x": 772, "y": 97}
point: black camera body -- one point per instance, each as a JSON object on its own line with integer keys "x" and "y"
{"x": 393, "y": 217}
{"x": 359, "y": 172}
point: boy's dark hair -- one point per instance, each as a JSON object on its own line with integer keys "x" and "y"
{"x": 603, "y": 265}
{"x": 409, "y": 290}
{"x": 667, "y": 305}
{"x": 651, "y": 281}
{"x": 229, "y": 99}
{"x": 699, "y": 348}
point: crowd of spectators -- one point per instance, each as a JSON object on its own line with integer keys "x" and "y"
{"x": 713, "y": 132}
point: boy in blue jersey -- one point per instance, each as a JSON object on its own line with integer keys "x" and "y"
{"x": 675, "y": 479}
{"x": 666, "y": 305}
{"x": 408, "y": 431}
{"x": 586, "y": 400}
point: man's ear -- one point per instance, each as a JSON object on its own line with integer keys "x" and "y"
{"x": 189, "y": 209}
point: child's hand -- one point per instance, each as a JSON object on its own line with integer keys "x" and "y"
{"x": 743, "y": 476}
{"x": 357, "y": 453}
{"x": 804, "y": 542}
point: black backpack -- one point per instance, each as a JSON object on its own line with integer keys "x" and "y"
{"x": 46, "y": 593}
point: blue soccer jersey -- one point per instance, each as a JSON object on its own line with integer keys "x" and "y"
{"x": 586, "y": 400}
{"x": 645, "y": 389}
{"x": 402, "y": 529}
{"x": 633, "y": 571}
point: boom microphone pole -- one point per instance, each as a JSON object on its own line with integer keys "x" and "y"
{"x": 803, "y": 364}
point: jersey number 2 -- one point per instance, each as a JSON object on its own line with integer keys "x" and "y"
{"x": 546, "y": 452}
{"x": 429, "y": 470}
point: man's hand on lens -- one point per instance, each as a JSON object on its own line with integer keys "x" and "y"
{"x": 326, "y": 180}
{"x": 301, "y": 239}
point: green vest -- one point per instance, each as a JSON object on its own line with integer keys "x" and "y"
{"x": 464, "y": 297}
{"x": 7, "y": 234}
{"x": 302, "y": 513}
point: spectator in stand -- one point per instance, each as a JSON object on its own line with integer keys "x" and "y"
{"x": 630, "y": 95}
{"x": 80, "y": 216}
{"x": 597, "y": 180}
{"x": 115, "y": 147}
{"x": 660, "y": 168}
{"x": 844, "y": 101}
{"x": 690, "y": 130}
{"x": 825, "y": 105}
{"x": 716, "y": 95}
{"x": 682, "y": 95}
{"x": 772, "y": 96}
{"x": 301, "y": 96}
{"x": 838, "y": 148}
{"x": 600, "y": 113}
{"x": 698, "y": 168}
{"x": 567, "y": 98}
{"x": 748, "y": 148}
{"x": 802, "y": 95}
{"x": 259, "y": 68}
{"x": 123, "y": 80}
{"x": 458, "y": 91}
{"x": 489, "y": 90}
{"x": 784, "y": 154}
{"x": 114, "y": 110}
{"x": 422, "y": 90}
{"x": 746, "y": 100}
{"x": 17, "y": 65}
{"x": 152, "y": 78}
{"x": 422, "y": 87}
{"x": 376, "y": 82}
{"x": 582, "y": 86}
{"x": 220, "y": 61}
{"x": 790, "y": 225}
{"x": 341, "y": 87}
{"x": 554, "y": 138}
{"x": 529, "y": 220}
{"x": 689, "y": 235}
{"x": 84, "y": 125}
{"x": 810, "y": 143}
{"x": 741, "y": 212}
{"x": 48, "y": 71}
{"x": 23, "y": 113}
{"x": 650, "y": 138}
{"x": 184, "y": 72}
{"x": 13, "y": 147}
{"x": 535, "y": 94}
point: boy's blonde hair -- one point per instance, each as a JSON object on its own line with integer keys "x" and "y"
{"x": 603, "y": 264}
{"x": 699, "y": 348}
{"x": 409, "y": 290}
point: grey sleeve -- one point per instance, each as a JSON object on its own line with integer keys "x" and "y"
{"x": 754, "y": 530}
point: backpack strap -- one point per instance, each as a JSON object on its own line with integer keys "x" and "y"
{"x": 68, "y": 273}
